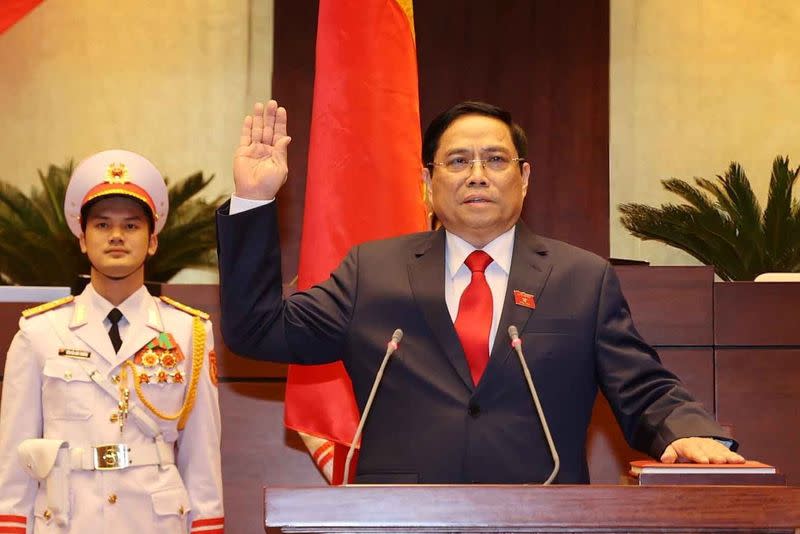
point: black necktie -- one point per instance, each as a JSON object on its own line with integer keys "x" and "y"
{"x": 114, "y": 316}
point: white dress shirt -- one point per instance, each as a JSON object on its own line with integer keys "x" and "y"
{"x": 457, "y": 275}
{"x": 239, "y": 204}
{"x": 129, "y": 308}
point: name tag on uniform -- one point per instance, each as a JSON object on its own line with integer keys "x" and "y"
{"x": 74, "y": 353}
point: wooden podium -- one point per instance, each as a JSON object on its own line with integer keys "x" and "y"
{"x": 608, "y": 509}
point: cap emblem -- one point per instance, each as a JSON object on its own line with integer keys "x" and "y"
{"x": 117, "y": 173}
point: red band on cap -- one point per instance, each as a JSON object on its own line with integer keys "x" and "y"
{"x": 127, "y": 189}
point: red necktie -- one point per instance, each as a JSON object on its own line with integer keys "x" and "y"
{"x": 474, "y": 318}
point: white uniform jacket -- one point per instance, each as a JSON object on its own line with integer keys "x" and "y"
{"x": 48, "y": 392}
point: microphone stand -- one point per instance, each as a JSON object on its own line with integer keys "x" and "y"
{"x": 516, "y": 342}
{"x": 390, "y": 348}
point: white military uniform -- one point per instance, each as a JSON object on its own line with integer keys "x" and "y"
{"x": 97, "y": 440}
{"x": 48, "y": 392}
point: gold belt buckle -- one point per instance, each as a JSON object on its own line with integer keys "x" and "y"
{"x": 114, "y": 456}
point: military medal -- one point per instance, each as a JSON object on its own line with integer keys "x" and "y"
{"x": 149, "y": 359}
{"x": 157, "y": 362}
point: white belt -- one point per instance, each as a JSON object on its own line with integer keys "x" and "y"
{"x": 119, "y": 456}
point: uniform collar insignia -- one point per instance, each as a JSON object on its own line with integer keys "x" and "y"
{"x": 78, "y": 314}
{"x": 154, "y": 317}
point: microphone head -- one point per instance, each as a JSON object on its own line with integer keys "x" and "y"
{"x": 397, "y": 336}
{"x": 513, "y": 332}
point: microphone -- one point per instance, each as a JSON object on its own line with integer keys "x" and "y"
{"x": 516, "y": 342}
{"x": 390, "y": 348}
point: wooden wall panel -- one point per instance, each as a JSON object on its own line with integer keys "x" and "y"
{"x": 9, "y": 319}
{"x": 671, "y": 306}
{"x": 257, "y": 451}
{"x": 757, "y": 338}
{"x": 757, "y": 313}
{"x": 758, "y": 392}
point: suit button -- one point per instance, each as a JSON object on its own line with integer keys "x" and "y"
{"x": 474, "y": 410}
{"x": 112, "y": 499}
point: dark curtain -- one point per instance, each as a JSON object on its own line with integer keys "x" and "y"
{"x": 545, "y": 61}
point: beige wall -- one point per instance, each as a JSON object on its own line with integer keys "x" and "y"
{"x": 694, "y": 85}
{"x": 170, "y": 79}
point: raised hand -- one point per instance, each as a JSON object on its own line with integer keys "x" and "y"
{"x": 259, "y": 163}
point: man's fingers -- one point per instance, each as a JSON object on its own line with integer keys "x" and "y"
{"x": 247, "y": 128}
{"x": 669, "y": 456}
{"x": 280, "y": 124}
{"x": 282, "y": 144}
{"x": 269, "y": 122}
{"x": 723, "y": 455}
{"x": 257, "y": 131}
{"x": 700, "y": 451}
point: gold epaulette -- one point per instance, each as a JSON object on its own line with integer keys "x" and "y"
{"x": 185, "y": 308}
{"x": 47, "y": 306}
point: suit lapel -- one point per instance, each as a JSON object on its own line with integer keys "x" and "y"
{"x": 530, "y": 268}
{"x": 426, "y": 277}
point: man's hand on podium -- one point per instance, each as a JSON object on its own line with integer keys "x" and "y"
{"x": 700, "y": 451}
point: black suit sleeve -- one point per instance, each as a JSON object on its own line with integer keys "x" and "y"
{"x": 650, "y": 403}
{"x": 308, "y": 327}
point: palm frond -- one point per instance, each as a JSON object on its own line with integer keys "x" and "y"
{"x": 727, "y": 229}
{"x": 778, "y": 214}
{"x": 186, "y": 189}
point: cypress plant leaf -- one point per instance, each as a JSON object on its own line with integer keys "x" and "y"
{"x": 722, "y": 223}
{"x": 778, "y": 213}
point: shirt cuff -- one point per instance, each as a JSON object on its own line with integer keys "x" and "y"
{"x": 727, "y": 442}
{"x": 239, "y": 204}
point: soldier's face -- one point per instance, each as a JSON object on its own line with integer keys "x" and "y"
{"x": 117, "y": 238}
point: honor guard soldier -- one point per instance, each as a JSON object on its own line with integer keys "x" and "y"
{"x": 110, "y": 415}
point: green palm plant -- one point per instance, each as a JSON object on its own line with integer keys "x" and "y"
{"x": 37, "y": 248}
{"x": 722, "y": 223}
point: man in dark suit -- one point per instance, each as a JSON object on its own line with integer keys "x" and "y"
{"x": 454, "y": 406}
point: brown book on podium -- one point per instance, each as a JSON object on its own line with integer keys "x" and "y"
{"x": 750, "y": 473}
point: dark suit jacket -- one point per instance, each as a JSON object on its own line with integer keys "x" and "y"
{"x": 428, "y": 423}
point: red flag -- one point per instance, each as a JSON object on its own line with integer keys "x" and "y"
{"x": 363, "y": 179}
{"x": 13, "y": 10}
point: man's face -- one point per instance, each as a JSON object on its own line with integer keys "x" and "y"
{"x": 117, "y": 238}
{"x": 479, "y": 205}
